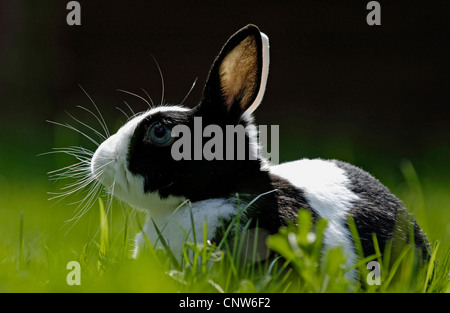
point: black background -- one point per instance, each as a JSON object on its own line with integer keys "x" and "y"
{"x": 331, "y": 74}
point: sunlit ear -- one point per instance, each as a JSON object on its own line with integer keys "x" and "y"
{"x": 238, "y": 77}
{"x": 239, "y": 74}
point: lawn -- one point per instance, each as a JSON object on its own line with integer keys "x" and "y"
{"x": 39, "y": 237}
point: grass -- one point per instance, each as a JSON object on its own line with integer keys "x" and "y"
{"x": 36, "y": 247}
{"x": 37, "y": 242}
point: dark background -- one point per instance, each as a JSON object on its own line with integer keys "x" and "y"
{"x": 337, "y": 87}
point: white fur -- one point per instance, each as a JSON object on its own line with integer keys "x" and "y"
{"x": 325, "y": 188}
{"x": 252, "y": 133}
{"x": 109, "y": 164}
{"x": 247, "y": 115}
{"x": 176, "y": 226}
{"x": 264, "y": 74}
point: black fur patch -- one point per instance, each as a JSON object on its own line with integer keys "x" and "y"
{"x": 275, "y": 209}
{"x": 278, "y": 206}
{"x": 153, "y": 162}
{"x": 194, "y": 179}
{"x": 381, "y": 213}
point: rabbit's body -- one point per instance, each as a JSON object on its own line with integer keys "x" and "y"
{"x": 136, "y": 164}
{"x": 319, "y": 186}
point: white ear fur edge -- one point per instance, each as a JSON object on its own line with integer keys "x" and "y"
{"x": 264, "y": 74}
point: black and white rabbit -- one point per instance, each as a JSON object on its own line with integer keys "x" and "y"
{"x": 136, "y": 164}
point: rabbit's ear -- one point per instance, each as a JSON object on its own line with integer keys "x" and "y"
{"x": 238, "y": 77}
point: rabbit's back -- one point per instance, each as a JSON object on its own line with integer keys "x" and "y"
{"x": 337, "y": 191}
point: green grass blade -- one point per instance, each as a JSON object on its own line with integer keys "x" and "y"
{"x": 104, "y": 234}
{"x": 431, "y": 266}
{"x": 169, "y": 252}
{"x": 21, "y": 239}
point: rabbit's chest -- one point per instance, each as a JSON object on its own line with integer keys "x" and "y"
{"x": 191, "y": 221}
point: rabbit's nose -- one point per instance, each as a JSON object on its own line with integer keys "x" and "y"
{"x": 104, "y": 158}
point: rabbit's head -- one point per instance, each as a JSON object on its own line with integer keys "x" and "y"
{"x": 162, "y": 155}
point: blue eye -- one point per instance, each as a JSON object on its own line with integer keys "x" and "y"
{"x": 159, "y": 134}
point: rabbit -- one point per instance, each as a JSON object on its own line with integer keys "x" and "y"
{"x": 181, "y": 196}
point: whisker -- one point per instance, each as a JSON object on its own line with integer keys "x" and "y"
{"x": 76, "y": 173}
{"x": 79, "y": 157}
{"x": 110, "y": 201}
{"x": 84, "y": 124}
{"x": 93, "y": 189}
{"x": 66, "y": 167}
{"x": 84, "y": 182}
{"x": 82, "y": 153}
{"x": 84, "y": 185}
{"x": 129, "y": 107}
{"x": 78, "y": 148}
{"x": 149, "y": 98}
{"x": 88, "y": 199}
{"x": 126, "y": 115}
{"x": 104, "y": 126}
{"x": 162, "y": 78}
{"x": 74, "y": 129}
{"x": 87, "y": 176}
{"x": 77, "y": 170}
{"x": 80, "y": 170}
{"x": 85, "y": 205}
{"x": 97, "y": 118}
{"x": 65, "y": 175}
{"x": 83, "y": 176}
{"x": 70, "y": 173}
{"x": 99, "y": 170}
{"x": 137, "y": 114}
{"x": 79, "y": 185}
{"x": 136, "y": 95}
{"x": 190, "y": 90}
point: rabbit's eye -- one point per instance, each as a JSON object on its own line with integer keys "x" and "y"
{"x": 159, "y": 134}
